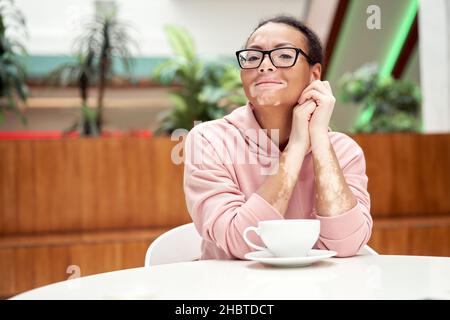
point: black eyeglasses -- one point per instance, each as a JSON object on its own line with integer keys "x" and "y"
{"x": 280, "y": 57}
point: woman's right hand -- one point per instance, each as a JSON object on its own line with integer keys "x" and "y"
{"x": 299, "y": 137}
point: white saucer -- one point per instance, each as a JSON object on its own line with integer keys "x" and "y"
{"x": 268, "y": 258}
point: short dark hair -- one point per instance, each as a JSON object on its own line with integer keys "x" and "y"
{"x": 314, "y": 46}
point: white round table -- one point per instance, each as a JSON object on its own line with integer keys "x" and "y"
{"x": 360, "y": 277}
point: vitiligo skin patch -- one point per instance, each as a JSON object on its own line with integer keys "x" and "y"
{"x": 288, "y": 167}
{"x": 333, "y": 196}
{"x": 267, "y": 94}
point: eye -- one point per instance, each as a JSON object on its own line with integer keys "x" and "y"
{"x": 285, "y": 56}
{"x": 252, "y": 58}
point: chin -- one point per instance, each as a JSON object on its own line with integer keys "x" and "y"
{"x": 277, "y": 104}
{"x": 268, "y": 101}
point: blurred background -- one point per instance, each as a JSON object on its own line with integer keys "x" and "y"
{"x": 90, "y": 92}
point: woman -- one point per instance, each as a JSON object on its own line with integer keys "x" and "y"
{"x": 234, "y": 177}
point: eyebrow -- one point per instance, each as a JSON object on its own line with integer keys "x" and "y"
{"x": 282, "y": 44}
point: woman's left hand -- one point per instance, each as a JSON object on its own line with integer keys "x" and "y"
{"x": 320, "y": 92}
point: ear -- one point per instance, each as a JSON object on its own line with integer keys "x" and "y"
{"x": 316, "y": 72}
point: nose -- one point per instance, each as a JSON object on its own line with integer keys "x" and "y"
{"x": 266, "y": 64}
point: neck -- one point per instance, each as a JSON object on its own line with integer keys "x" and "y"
{"x": 280, "y": 118}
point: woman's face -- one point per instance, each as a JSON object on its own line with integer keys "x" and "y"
{"x": 291, "y": 81}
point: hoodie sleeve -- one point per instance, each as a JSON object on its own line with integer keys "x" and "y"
{"x": 348, "y": 232}
{"x": 219, "y": 209}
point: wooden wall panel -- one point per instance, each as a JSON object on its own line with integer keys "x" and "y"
{"x": 27, "y": 262}
{"x": 413, "y": 236}
{"x": 101, "y": 184}
{"x": 409, "y": 174}
{"x": 89, "y": 184}
{"x": 434, "y": 173}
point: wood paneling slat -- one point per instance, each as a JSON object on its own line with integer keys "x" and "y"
{"x": 26, "y": 192}
{"x": 8, "y": 187}
{"x": 90, "y": 183}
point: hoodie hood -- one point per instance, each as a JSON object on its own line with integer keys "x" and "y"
{"x": 244, "y": 120}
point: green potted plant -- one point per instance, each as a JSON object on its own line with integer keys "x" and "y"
{"x": 205, "y": 89}
{"x": 104, "y": 38}
{"x": 388, "y": 105}
{"x": 80, "y": 72}
{"x": 13, "y": 87}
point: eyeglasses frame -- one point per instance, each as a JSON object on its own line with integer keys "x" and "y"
{"x": 268, "y": 52}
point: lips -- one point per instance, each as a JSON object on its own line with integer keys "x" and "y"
{"x": 268, "y": 85}
{"x": 268, "y": 82}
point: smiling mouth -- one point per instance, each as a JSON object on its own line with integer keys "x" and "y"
{"x": 268, "y": 84}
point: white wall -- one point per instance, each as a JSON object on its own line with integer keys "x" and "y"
{"x": 218, "y": 27}
{"x": 434, "y": 41}
{"x": 320, "y": 18}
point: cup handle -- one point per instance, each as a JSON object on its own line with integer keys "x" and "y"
{"x": 251, "y": 244}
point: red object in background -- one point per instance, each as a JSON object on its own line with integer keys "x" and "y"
{"x": 53, "y": 135}
{"x": 33, "y": 135}
{"x": 140, "y": 133}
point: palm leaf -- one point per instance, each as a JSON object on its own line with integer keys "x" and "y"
{"x": 181, "y": 42}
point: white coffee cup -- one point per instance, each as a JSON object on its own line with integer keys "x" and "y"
{"x": 286, "y": 237}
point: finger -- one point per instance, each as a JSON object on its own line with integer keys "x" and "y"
{"x": 307, "y": 104}
{"x": 309, "y": 108}
{"x": 306, "y": 109}
{"x": 318, "y": 85}
{"x": 315, "y": 85}
{"x": 303, "y": 99}
{"x": 328, "y": 86}
{"x": 317, "y": 96}
{"x": 311, "y": 111}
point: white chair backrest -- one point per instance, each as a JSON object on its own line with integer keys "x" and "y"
{"x": 366, "y": 250}
{"x": 179, "y": 244}
{"x": 183, "y": 244}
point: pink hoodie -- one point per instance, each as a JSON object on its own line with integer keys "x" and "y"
{"x": 226, "y": 162}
